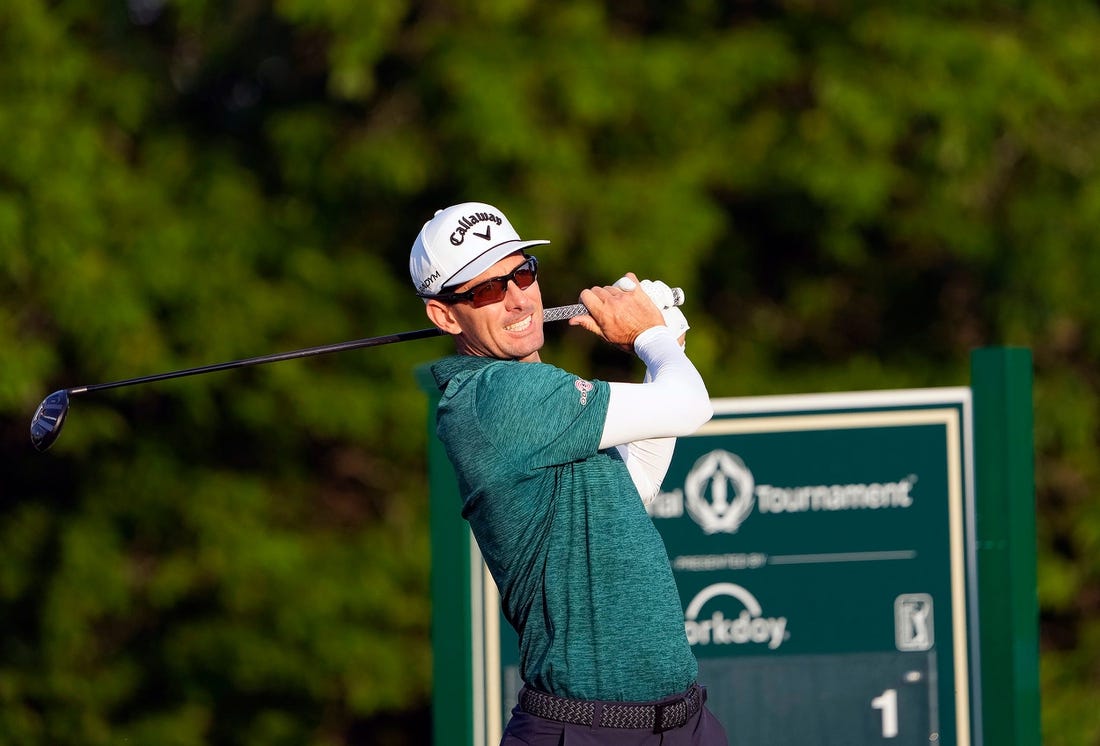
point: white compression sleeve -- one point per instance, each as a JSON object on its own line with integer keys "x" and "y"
{"x": 643, "y": 419}
{"x": 647, "y": 461}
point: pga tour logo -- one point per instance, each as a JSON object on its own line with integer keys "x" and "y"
{"x": 749, "y": 626}
{"x": 913, "y": 622}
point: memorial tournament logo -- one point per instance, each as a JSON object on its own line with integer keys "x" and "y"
{"x": 718, "y": 492}
{"x": 749, "y": 626}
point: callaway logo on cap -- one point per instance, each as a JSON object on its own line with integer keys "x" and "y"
{"x": 460, "y": 243}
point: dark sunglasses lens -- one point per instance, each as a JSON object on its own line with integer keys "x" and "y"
{"x": 491, "y": 291}
{"x": 525, "y": 277}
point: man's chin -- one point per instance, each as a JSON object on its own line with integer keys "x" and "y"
{"x": 528, "y": 350}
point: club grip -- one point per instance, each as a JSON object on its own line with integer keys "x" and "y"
{"x": 561, "y": 313}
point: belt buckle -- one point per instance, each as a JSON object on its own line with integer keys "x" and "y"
{"x": 659, "y": 725}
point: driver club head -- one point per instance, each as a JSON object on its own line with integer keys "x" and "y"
{"x": 48, "y": 419}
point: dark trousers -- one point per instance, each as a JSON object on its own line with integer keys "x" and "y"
{"x": 525, "y": 729}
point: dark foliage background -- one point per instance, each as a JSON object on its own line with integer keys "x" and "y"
{"x": 854, "y": 195}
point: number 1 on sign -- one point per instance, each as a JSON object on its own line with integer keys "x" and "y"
{"x": 888, "y": 703}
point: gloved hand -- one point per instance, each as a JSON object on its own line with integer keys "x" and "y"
{"x": 676, "y": 321}
{"x": 660, "y": 293}
{"x": 663, "y": 297}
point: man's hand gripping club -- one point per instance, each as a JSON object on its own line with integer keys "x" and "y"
{"x": 616, "y": 315}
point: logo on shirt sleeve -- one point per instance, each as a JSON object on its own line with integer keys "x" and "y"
{"x": 584, "y": 387}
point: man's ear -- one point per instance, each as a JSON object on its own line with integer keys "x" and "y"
{"x": 442, "y": 315}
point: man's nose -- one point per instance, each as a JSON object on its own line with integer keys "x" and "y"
{"x": 515, "y": 294}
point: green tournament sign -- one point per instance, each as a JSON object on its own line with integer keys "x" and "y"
{"x": 819, "y": 544}
{"x": 855, "y": 568}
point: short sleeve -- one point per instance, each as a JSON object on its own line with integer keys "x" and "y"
{"x": 540, "y": 414}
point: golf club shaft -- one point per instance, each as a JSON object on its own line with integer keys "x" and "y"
{"x": 559, "y": 313}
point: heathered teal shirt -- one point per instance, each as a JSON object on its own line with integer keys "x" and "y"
{"x": 583, "y": 574}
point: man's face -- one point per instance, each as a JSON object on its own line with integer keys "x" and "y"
{"x": 508, "y": 330}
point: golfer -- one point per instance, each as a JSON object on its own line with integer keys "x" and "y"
{"x": 554, "y": 470}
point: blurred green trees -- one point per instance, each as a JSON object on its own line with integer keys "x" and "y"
{"x": 853, "y": 195}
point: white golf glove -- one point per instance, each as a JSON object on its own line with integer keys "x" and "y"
{"x": 675, "y": 320}
{"x": 660, "y": 293}
{"x": 663, "y": 297}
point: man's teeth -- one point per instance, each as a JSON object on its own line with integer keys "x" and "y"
{"x": 519, "y": 325}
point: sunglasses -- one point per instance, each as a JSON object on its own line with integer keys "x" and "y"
{"x": 494, "y": 289}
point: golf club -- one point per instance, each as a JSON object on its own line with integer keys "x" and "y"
{"x": 50, "y": 416}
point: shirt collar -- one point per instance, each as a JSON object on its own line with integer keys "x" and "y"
{"x": 449, "y": 367}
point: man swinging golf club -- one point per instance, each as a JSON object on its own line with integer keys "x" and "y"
{"x": 554, "y": 470}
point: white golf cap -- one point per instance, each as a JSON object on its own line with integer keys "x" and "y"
{"x": 460, "y": 243}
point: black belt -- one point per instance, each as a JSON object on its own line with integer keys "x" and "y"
{"x": 653, "y": 716}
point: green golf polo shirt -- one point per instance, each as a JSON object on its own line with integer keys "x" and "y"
{"x": 583, "y": 574}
